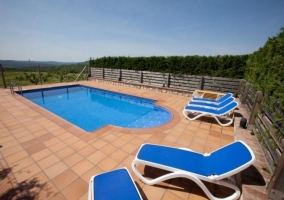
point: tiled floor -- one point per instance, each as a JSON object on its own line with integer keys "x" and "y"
{"x": 45, "y": 157}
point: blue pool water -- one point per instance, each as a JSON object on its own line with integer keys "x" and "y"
{"x": 91, "y": 108}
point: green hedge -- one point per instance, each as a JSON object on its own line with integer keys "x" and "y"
{"x": 265, "y": 68}
{"x": 219, "y": 66}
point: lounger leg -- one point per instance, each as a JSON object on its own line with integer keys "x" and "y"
{"x": 227, "y": 124}
{"x": 185, "y": 113}
{"x": 194, "y": 118}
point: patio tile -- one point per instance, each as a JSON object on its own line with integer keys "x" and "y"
{"x": 108, "y": 164}
{"x": 55, "y": 169}
{"x": 63, "y": 153}
{"x": 213, "y": 145}
{"x": 27, "y": 172}
{"x": 75, "y": 190}
{"x": 175, "y": 133}
{"x": 197, "y": 194}
{"x": 97, "y": 157}
{"x": 15, "y": 157}
{"x": 119, "y": 142}
{"x": 169, "y": 195}
{"x": 82, "y": 167}
{"x": 85, "y": 196}
{"x": 73, "y": 159}
{"x": 187, "y": 137}
{"x": 21, "y": 134}
{"x": 87, "y": 151}
{"x": 7, "y": 139}
{"x": 227, "y": 137}
{"x": 191, "y": 128}
{"x": 181, "y": 187}
{"x": 171, "y": 138}
{"x": 41, "y": 186}
{"x": 196, "y": 147}
{"x": 108, "y": 149}
{"x": 41, "y": 154}
{"x": 127, "y": 161}
{"x": 57, "y": 147}
{"x": 58, "y": 196}
{"x": 78, "y": 145}
{"x": 201, "y": 131}
{"x": 129, "y": 148}
{"x": 154, "y": 193}
{"x": 144, "y": 136}
{"x": 215, "y": 127}
{"x": 64, "y": 136}
{"x": 64, "y": 179}
{"x": 93, "y": 171}
{"x": 137, "y": 141}
{"x": 18, "y": 130}
{"x": 109, "y": 138}
{"x": 156, "y": 138}
{"x": 45, "y": 137}
{"x": 127, "y": 137}
{"x": 11, "y": 150}
{"x": 48, "y": 161}
{"x": 200, "y": 141}
{"x": 71, "y": 140}
{"x": 51, "y": 142}
{"x": 26, "y": 138}
{"x": 183, "y": 143}
{"x": 36, "y": 148}
{"x": 21, "y": 164}
{"x": 119, "y": 155}
{"x": 167, "y": 143}
{"x": 99, "y": 144}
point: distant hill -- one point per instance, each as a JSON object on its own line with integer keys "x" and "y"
{"x": 20, "y": 64}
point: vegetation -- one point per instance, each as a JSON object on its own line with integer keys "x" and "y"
{"x": 19, "y": 77}
{"x": 74, "y": 68}
{"x": 27, "y": 73}
{"x": 220, "y": 66}
{"x": 265, "y": 68}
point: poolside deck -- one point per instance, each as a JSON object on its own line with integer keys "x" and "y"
{"x": 45, "y": 157}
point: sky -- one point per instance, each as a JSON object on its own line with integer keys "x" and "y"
{"x": 77, "y": 30}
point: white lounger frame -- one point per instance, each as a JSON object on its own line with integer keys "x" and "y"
{"x": 225, "y": 116}
{"x": 226, "y": 180}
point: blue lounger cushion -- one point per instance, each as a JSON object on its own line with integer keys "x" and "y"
{"x": 217, "y": 163}
{"x": 226, "y": 109}
{"x": 210, "y": 105}
{"x": 213, "y": 101}
{"x": 113, "y": 185}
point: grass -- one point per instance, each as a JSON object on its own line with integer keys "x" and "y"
{"x": 11, "y": 77}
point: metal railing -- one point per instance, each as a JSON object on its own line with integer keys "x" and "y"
{"x": 13, "y": 84}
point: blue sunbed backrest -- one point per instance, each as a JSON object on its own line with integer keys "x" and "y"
{"x": 228, "y": 158}
{"x": 226, "y": 96}
{"x": 227, "y": 101}
{"x": 227, "y": 108}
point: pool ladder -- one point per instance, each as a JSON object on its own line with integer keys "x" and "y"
{"x": 19, "y": 87}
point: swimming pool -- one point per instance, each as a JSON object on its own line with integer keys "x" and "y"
{"x": 91, "y": 108}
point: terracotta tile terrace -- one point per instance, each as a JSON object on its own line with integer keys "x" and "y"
{"x": 42, "y": 156}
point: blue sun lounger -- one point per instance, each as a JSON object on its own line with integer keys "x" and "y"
{"x": 113, "y": 185}
{"x": 213, "y": 101}
{"x": 223, "y": 113}
{"x": 210, "y": 105}
{"x": 218, "y": 167}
